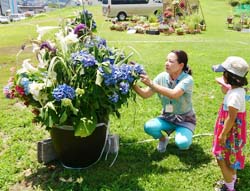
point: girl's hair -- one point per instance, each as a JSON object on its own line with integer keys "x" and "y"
{"x": 235, "y": 80}
{"x": 182, "y": 57}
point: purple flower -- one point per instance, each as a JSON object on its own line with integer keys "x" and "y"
{"x": 8, "y": 91}
{"x": 63, "y": 91}
{"x": 46, "y": 45}
{"x": 79, "y": 28}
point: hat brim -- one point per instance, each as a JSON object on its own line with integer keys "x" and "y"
{"x": 218, "y": 68}
{"x": 221, "y": 81}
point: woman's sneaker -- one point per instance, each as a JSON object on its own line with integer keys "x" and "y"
{"x": 162, "y": 145}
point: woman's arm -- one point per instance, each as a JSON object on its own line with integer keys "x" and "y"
{"x": 170, "y": 93}
{"x": 143, "y": 92}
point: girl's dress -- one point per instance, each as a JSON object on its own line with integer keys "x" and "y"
{"x": 232, "y": 152}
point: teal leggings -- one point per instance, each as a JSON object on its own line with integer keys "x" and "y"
{"x": 183, "y": 136}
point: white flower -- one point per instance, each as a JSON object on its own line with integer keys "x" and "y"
{"x": 36, "y": 47}
{"x": 52, "y": 76}
{"x": 35, "y": 89}
{"x": 41, "y": 63}
{"x": 71, "y": 38}
{"x": 60, "y": 39}
{"x": 27, "y": 67}
{"x": 48, "y": 83}
{"x": 66, "y": 40}
{"x": 43, "y": 30}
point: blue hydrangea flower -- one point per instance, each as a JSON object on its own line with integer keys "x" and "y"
{"x": 89, "y": 44}
{"x": 25, "y": 84}
{"x": 111, "y": 78}
{"x": 93, "y": 25}
{"x": 114, "y": 98}
{"x": 139, "y": 69}
{"x": 124, "y": 87}
{"x": 101, "y": 42}
{"x": 126, "y": 73}
{"x": 84, "y": 57}
{"x": 63, "y": 91}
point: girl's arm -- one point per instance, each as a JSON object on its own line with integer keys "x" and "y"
{"x": 228, "y": 124}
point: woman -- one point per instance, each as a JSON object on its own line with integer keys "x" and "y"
{"x": 174, "y": 88}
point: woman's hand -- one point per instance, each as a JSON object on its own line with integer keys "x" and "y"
{"x": 145, "y": 79}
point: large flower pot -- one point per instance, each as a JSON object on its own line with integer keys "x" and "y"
{"x": 78, "y": 152}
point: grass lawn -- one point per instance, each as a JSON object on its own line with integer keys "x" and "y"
{"x": 139, "y": 166}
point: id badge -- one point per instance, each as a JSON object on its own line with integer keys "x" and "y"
{"x": 169, "y": 108}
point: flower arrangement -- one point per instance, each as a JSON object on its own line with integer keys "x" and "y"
{"x": 78, "y": 80}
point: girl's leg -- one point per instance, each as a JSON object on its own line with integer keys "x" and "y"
{"x": 183, "y": 137}
{"x": 154, "y": 127}
{"x": 227, "y": 173}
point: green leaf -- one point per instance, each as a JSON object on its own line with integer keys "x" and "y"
{"x": 51, "y": 106}
{"x": 63, "y": 118}
{"x": 51, "y": 122}
{"x": 99, "y": 78}
{"x": 85, "y": 127}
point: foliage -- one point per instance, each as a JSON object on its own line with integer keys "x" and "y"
{"x": 78, "y": 81}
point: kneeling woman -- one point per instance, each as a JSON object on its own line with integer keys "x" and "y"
{"x": 174, "y": 88}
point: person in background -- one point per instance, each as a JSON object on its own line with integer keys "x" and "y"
{"x": 174, "y": 88}
{"x": 230, "y": 127}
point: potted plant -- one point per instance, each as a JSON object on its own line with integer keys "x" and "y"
{"x": 237, "y": 27}
{"x": 179, "y": 31}
{"x": 230, "y": 19}
{"x": 77, "y": 82}
{"x": 202, "y": 25}
{"x": 234, "y": 3}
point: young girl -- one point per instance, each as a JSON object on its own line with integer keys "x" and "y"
{"x": 230, "y": 127}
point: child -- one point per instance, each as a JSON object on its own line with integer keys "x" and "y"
{"x": 230, "y": 127}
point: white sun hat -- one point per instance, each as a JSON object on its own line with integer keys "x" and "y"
{"x": 233, "y": 64}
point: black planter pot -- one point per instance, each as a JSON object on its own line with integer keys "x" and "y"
{"x": 153, "y": 32}
{"x": 77, "y": 152}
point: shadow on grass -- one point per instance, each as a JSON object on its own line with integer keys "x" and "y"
{"x": 244, "y": 176}
{"x": 192, "y": 158}
{"x": 135, "y": 162}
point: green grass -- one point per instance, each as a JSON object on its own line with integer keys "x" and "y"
{"x": 138, "y": 166}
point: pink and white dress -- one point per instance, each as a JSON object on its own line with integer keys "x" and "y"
{"x": 232, "y": 151}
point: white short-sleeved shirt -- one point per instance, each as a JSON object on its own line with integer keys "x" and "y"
{"x": 236, "y": 99}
